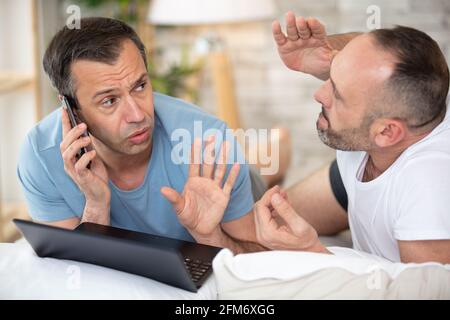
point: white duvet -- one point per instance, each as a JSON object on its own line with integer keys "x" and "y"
{"x": 23, "y": 275}
{"x": 348, "y": 274}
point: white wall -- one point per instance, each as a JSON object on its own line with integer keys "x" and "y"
{"x": 16, "y": 109}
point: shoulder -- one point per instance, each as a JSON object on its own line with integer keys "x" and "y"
{"x": 45, "y": 134}
{"x": 176, "y": 114}
{"x": 426, "y": 168}
{"x": 429, "y": 157}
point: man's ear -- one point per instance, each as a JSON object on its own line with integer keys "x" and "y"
{"x": 388, "y": 132}
{"x": 60, "y": 97}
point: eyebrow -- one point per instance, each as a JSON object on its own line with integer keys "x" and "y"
{"x": 105, "y": 91}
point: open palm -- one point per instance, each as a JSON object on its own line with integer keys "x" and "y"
{"x": 201, "y": 206}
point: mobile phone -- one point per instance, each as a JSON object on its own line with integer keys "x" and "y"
{"x": 69, "y": 105}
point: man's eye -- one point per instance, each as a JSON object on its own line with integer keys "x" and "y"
{"x": 141, "y": 86}
{"x": 108, "y": 102}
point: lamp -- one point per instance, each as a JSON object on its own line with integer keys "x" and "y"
{"x": 205, "y": 12}
{"x": 194, "y": 12}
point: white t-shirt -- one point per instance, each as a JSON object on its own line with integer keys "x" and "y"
{"x": 409, "y": 201}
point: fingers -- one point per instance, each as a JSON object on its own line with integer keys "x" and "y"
{"x": 208, "y": 166}
{"x": 317, "y": 28}
{"x": 266, "y": 198}
{"x": 269, "y": 232}
{"x": 72, "y": 135}
{"x": 221, "y": 166}
{"x": 285, "y": 210}
{"x": 263, "y": 216}
{"x": 263, "y": 222}
{"x": 278, "y": 35}
{"x": 228, "y": 186}
{"x": 209, "y": 157}
{"x": 291, "y": 28}
{"x": 194, "y": 167}
{"x": 80, "y": 167}
{"x": 283, "y": 193}
{"x": 69, "y": 154}
{"x": 174, "y": 198}
{"x": 302, "y": 28}
{"x": 298, "y": 27}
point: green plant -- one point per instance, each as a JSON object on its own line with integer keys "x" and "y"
{"x": 125, "y": 10}
{"x": 175, "y": 80}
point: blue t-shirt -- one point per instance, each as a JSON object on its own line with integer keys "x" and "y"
{"x": 52, "y": 195}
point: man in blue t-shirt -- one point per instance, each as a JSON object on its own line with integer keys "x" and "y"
{"x": 137, "y": 172}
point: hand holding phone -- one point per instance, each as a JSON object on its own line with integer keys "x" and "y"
{"x": 83, "y": 165}
{"x": 68, "y": 105}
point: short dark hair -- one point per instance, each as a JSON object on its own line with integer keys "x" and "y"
{"x": 98, "y": 39}
{"x": 420, "y": 80}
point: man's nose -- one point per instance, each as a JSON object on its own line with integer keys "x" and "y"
{"x": 133, "y": 112}
{"x": 321, "y": 95}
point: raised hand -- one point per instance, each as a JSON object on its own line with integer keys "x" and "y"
{"x": 305, "y": 47}
{"x": 201, "y": 206}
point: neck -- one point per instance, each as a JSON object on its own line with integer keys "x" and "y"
{"x": 381, "y": 159}
{"x": 116, "y": 162}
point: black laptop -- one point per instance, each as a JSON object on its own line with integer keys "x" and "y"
{"x": 175, "y": 262}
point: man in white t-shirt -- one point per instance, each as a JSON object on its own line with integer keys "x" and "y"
{"x": 383, "y": 107}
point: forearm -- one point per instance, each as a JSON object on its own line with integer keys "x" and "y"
{"x": 221, "y": 239}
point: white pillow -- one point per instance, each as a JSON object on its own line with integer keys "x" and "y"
{"x": 348, "y": 274}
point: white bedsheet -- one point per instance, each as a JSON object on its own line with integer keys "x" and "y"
{"x": 23, "y": 275}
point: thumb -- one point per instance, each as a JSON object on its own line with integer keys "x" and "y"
{"x": 174, "y": 198}
{"x": 284, "y": 209}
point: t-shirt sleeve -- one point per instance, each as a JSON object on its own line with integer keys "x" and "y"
{"x": 423, "y": 211}
{"x": 45, "y": 202}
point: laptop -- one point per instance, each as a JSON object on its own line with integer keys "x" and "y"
{"x": 182, "y": 264}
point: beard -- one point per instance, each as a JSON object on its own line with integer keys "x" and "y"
{"x": 350, "y": 139}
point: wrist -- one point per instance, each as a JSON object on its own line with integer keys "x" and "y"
{"x": 96, "y": 212}
{"x": 311, "y": 242}
{"x": 98, "y": 204}
{"x": 214, "y": 238}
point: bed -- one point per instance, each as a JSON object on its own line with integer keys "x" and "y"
{"x": 348, "y": 274}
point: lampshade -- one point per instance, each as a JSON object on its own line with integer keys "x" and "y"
{"x": 194, "y": 12}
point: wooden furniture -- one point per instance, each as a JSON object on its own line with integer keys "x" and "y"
{"x": 227, "y": 108}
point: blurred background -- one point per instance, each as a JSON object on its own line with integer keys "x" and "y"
{"x": 218, "y": 54}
